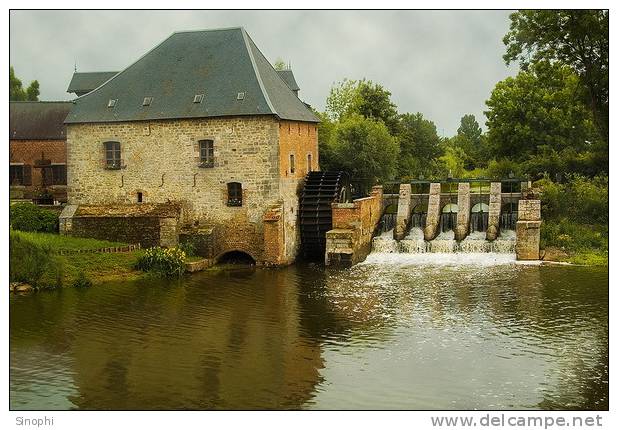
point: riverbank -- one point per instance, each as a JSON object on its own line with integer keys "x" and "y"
{"x": 48, "y": 260}
{"x": 571, "y": 242}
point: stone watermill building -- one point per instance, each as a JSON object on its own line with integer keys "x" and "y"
{"x": 200, "y": 139}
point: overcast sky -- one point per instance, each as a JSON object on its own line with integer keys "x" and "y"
{"x": 441, "y": 63}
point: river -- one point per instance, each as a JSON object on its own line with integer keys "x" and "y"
{"x": 381, "y": 335}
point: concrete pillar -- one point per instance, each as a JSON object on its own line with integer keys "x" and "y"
{"x": 495, "y": 205}
{"x": 403, "y": 211}
{"x": 66, "y": 219}
{"x": 433, "y": 212}
{"x": 463, "y": 211}
{"x": 528, "y": 233}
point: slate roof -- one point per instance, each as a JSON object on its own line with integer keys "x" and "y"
{"x": 288, "y": 78}
{"x": 84, "y": 82}
{"x": 217, "y": 63}
{"x": 38, "y": 120}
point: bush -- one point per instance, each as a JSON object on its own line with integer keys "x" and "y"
{"x": 163, "y": 261}
{"x": 571, "y": 236}
{"x": 580, "y": 199}
{"x": 29, "y": 217}
{"x": 32, "y": 263}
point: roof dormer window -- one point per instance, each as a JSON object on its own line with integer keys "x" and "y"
{"x": 111, "y": 103}
{"x": 198, "y": 98}
{"x": 147, "y": 101}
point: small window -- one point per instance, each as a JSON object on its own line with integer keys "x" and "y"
{"x": 240, "y": 96}
{"x": 16, "y": 175}
{"x": 140, "y": 197}
{"x": 112, "y": 155}
{"x": 234, "y": 194}
{"x": 147, "y": 101}
{"x": 198, "y": 98}
{"x": 292, "y": 167}
{"x": 111, "y": 103}
{"x": 309, "y": 163}
{"x": 207, "y": 153}
{"x": 59, "y": 174}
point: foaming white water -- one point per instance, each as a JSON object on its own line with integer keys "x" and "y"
{"x": 384, "y": 243}
{"x": 475, "y": 242}
{"x": 441, "y": 259}
{"x": 444, "y": 243}
{"x": 414, "y": 242}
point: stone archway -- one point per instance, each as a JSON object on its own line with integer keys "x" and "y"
{"x": 235, "y": 256}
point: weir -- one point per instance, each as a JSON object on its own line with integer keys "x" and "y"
{"x": 471, "y": 216}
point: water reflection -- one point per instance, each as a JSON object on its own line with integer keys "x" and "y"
{"x": 375, "y": 336}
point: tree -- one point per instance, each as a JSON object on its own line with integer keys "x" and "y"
{"x": 280, "y": 65}
{"x": 470, "y": 129}
{"x": 577, "y": 38}
{"x": 364, "y": 148}
{"x": 374, "y": 101}
{"x": 419, "y": 145}
{"x": 340, "y": 99}
{"x": 470, "y": 140}
{"x": 364, "y": 98}
{"x": 16, "y": 91}
{"x": 539, "y": 116}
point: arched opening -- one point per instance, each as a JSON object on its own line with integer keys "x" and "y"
{"x": 508, "y": 216}
{"x": 479, "y": 217}
{"x": 387, "y": 222}
{"x": 448, "y": 219}
{"x": 419, "y": 215}
{"x": 236, "y": 257}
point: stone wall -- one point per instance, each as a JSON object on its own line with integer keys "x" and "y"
{"x": 354, "y": 224}
{"x": 528, "y": 230}
{"x": 161, "y": 161}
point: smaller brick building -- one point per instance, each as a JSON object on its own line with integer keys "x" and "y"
{"x": 37, "y": 151}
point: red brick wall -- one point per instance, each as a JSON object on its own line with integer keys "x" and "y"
{"x": 29, "y": 151}
{"x": 300, "y": 139}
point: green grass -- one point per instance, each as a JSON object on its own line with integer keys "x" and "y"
{"x": 35, "y": 260}
{"x": 585, "y": 244}
{"x": 100, "y": 267}
{"x": 590, "y": 258}
{"x": 59, "y": 242}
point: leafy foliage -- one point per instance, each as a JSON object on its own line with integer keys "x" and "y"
{"x": 364, "y": 147}
{"x": 169, "y": 262}
{"x": 419, "y": 144}
{"x": 577, "y": 38}
{"x": 18, "y": 93}
{"x": 538, "y": 115}
{"x": 29, "y": 217}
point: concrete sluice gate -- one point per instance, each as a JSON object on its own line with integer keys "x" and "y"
{"x": 463, "y": 217}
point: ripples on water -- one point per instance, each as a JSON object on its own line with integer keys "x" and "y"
{"x": 377, "y": 336}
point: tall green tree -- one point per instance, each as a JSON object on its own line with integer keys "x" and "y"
{"x": 365, "y": 98}
{"x": 470, "y": 129}
{"x": 17, "y": 92}
{"x": 419, "y": 146}
{"x": 472, "y": 143}
{"x": 364, "y": 148}
{"x": 538, "y": 116}
{"x": 577, "y": 38}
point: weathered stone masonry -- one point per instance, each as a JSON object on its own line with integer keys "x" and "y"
{"x": 161, "y": 161}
